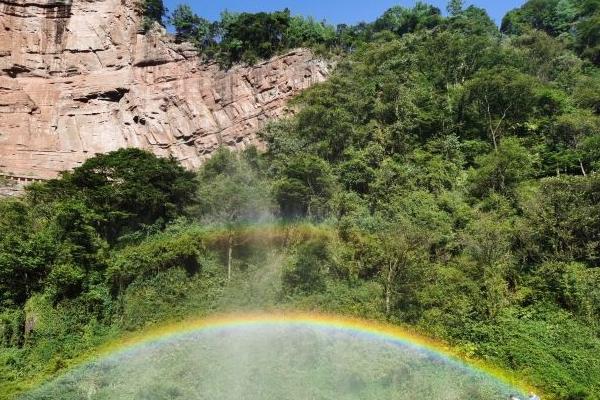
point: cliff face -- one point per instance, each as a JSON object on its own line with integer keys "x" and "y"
{"x": 77, "y": 78}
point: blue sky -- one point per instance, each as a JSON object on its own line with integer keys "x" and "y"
{"x": 334, "y": 11}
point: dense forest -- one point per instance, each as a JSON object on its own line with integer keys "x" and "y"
{"x": 444, "y": 177}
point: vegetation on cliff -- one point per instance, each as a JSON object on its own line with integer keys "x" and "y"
{"x": 248, "y": 37}
{"x": 446, "y": 176}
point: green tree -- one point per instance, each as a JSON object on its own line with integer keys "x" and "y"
{"x": 502, "y": 170}
{"x": 79, "y": 260}
{"x": 308, "y": 32}
{"x": 190, "y": 27}
{"x": 248, "y": 37}
{"x": 552, "y": 16}
{"x": 474, "y": 21}
{"x": 304, "y": 187}
{"x": 397, "y": 254}
{"x": 402, "y": 20}
{"x": 576, "y": 19}
{"x": 571, "y": 135}
{"x": 26, "y": 252}
{"x": 231, "y": 193}
{"x": 185, "y": 21}
{"x": 307, "y": 270}
{"x": 498, "y": 99}
{"x": 358, "y": 171}
{"x": 569, "y": 285}
{"x": 563, "y": 219}
{"x": 589, "y": 149}
{"x": 488, "y": 243}
{"x": 587, "y": 93}
{"x": 455, "y": 7}
{"x": 127, "y": 189}
{"x": 587, "y": 38}
{"x": 152, "y": 11}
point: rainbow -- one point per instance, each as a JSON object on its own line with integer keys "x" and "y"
{"x": 369, "y": 330}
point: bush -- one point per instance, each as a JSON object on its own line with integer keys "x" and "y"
{"x": 306, "y": 273}
{"x": 155, "y": 255}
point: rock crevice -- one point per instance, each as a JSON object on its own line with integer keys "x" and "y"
{"x": 77, "y": 78}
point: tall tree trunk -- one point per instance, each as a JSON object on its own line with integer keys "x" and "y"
{"x": 229, "y": 254}
{"x": 388, "y": 290}
{"x": 26, "y": 285}
{"x": 491, "y": 125}
{"x": 582, "y": 168}
{"x": 286, "y": 237}
{"x": 495, "y": 131}
{"x": 494, "y": 141}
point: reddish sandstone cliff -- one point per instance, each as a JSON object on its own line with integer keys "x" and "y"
{"x": 77, "y": 78}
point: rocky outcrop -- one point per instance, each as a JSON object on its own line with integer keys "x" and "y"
{"x": 78, "y": 79}
{"x": 9, "y": 188}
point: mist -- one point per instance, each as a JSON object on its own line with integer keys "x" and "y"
{"x": 273, "y": 362}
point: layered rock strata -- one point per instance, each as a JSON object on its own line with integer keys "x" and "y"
{"x": 78, "y": 78}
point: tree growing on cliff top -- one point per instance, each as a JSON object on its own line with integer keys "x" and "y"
{"x": 152, "y": 11}
{"x": 455, "y": 7}
{"x": 249, "y": 37}
{"x": 193, "y": 28}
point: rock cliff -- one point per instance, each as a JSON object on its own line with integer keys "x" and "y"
{"x": 78, "y": 78}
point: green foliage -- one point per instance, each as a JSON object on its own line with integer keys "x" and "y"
{"x": 306, "y": 273}
{"x": 25, "y": 248}
{"x": 552, "y": 16}
{"x": 498, "y": 101}
{"x": 576, "y": 21}
{"x": 446, "y": 134}
{"x": 572, "y": 139}
{"x": 309, "y": 32}
{"x": 564, "y": 213}
{"x": 573, "y": 286}
{"x": 11, "y": 324}
{"x": 192, "y": 28}
{"x": 455, "y": 7}
{"x": 152, "y": 11}
{"x": 402, "y": 20}
{"x": 590, "y": 152}
{"x": 587, "y": 93}
{"x": 472, "y": 20}
{"x": 154, "y": 256}
{"x": 250, "y": 37}
{"x": 543, "y": 339}
{"x": 127, "y": 189}
{"x": 185, "y": 21}
{"x": 232, "y": 191}
{"x": 170, "y": 294}
{"x": 503, "y": 170}
{"x": 587, "y": 40}
{"x": 305, "y": 186}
